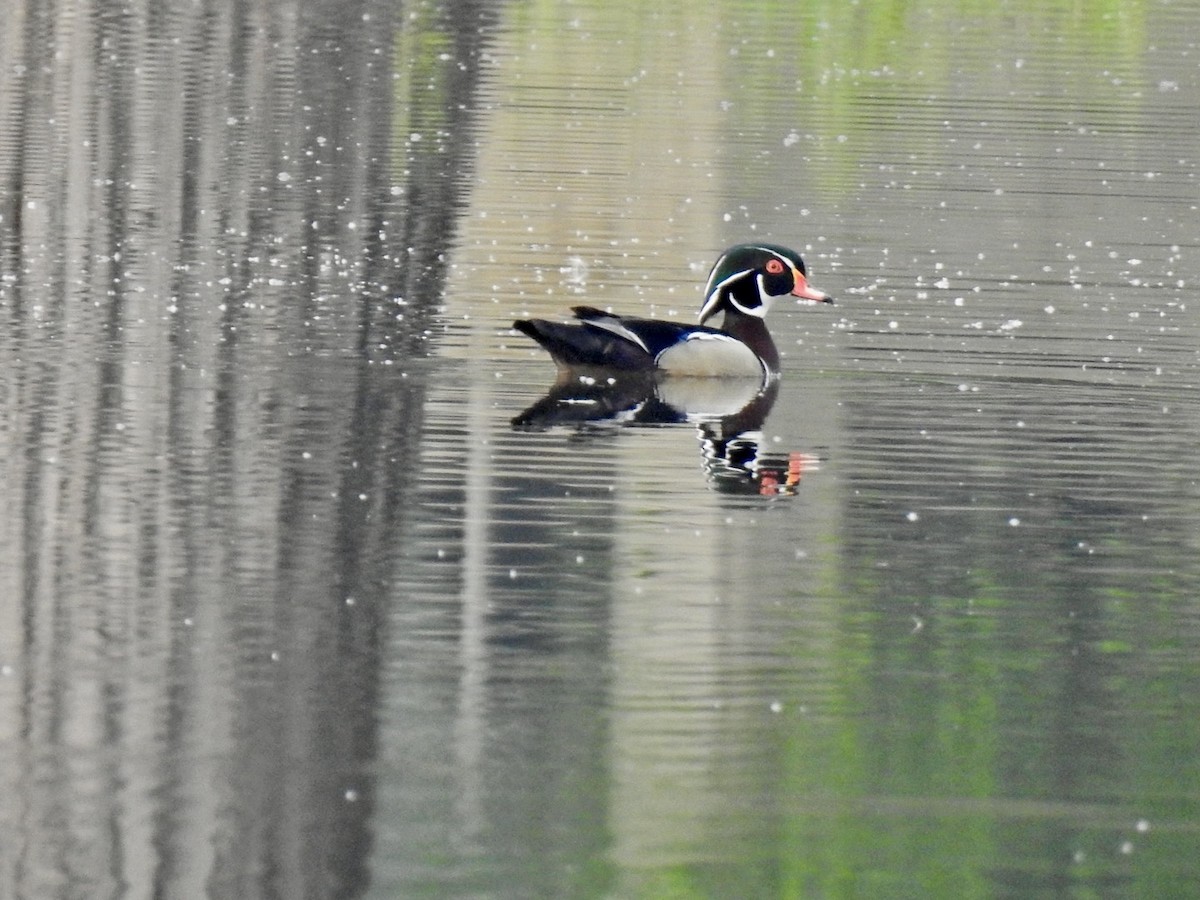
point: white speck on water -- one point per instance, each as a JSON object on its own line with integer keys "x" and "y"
{"x": 912, "y": 516}
{"x": 351, "y": 795}
{"x": 1142, "y": 826}
{"x": 1014, "y": 521}
{"x": 776, "y": 706}
{"x": 575, "y": 271}
{"x": 1126, "y": 847}
{"x": 283, "y": 177}
{"x": 512, "y": 574}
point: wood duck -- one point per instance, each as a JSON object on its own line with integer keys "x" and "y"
{"x": 743, "y": 284}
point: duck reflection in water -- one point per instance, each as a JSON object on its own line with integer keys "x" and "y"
{"x": 654, "y": 371}
{"x": 728, "y": 414}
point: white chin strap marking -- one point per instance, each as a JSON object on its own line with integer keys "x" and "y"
{"x": 764, "y": 300}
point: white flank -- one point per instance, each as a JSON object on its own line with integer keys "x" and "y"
{"x": 708, "y": 355}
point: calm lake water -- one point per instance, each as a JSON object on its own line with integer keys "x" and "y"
{"x": 290, "y": 608}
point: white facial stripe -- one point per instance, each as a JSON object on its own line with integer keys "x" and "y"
{"x": 732, "y": 278}
{"x": 783, "y": 259}
{"x": 714, "y": 296}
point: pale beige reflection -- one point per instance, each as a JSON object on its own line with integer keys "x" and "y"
{"x": 629, "y": 217}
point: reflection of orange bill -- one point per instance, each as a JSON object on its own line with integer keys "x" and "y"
{"x": 795, "y": 467}
{"x": 799, "y": 463}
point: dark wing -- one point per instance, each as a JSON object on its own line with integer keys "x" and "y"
{"x": 602, "y": 340}
{"x": 652, "y": 335}
{"x": 579, "y": 346}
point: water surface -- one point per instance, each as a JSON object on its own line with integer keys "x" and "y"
{"x": 292, "y": 609}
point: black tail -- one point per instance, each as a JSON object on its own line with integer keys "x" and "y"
{"x": 578, "y": 346}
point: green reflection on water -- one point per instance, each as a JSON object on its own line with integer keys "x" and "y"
{"x": 838, "y": 78}
{"x": 919, "y": 779}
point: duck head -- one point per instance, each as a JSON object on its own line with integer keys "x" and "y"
{"x": 748, "y": 277}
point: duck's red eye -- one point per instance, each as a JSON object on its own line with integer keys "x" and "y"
{"x": 774, "y": 267}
